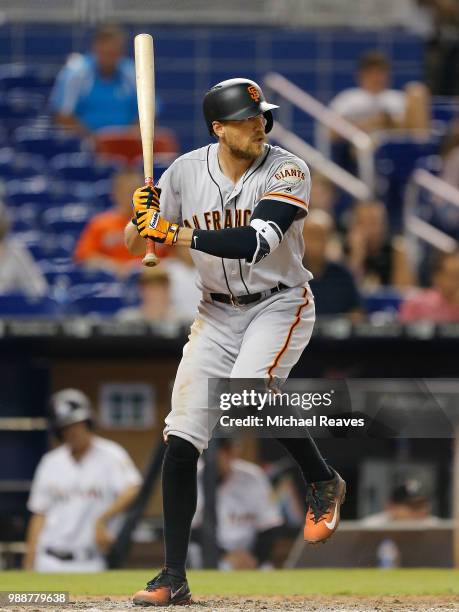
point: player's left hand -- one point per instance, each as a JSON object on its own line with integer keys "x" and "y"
{"x": 104, "y": 539}
{"x": 151, "y": 225}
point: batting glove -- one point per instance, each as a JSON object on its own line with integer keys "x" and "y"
{"x": 151, "y": 225}
{"x": 146, "y": 197}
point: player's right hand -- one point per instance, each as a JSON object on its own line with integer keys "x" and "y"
{"x": 146, "y": 197}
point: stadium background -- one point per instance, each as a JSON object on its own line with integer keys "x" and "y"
{"x": 43, "y": 353}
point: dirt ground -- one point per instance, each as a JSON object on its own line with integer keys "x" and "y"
{"x": 268, "y": 604}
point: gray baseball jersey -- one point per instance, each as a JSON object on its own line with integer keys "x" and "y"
{"x": 261, "y": 340}
{"x": 195, "y": 193}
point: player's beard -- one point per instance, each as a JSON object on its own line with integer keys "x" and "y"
{"x": 251, "y": 151}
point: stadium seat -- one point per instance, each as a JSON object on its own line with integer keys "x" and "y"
{"x": 107, "y": 305}
{"x": 24, "y": 76}
{"x": 82, "y": 167}
{"x": 17, "y": 106}
{"x": 66, "y": 220}
{"x": 15, "y": 165}
{"x": 35, "y": 190}
{"x": 19, "y": 305}
{"x": 386, "y": 300}
{"x": 76, "y": 275}
{"x": 46, "y": 141}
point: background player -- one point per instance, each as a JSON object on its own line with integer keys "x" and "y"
{"x": 78, "y": 491}
{"x": 239, "y": 205}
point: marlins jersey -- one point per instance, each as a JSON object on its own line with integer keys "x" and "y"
{"x": 195, "y": 193}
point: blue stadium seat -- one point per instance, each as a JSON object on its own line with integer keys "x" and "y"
{"x": 27, "y": 77}
{"x": 48, "y": 247}
{"x": 27, "y": 216}
{"x": 18, "y": 106}
{"x": 15, "y": 165}
{"x": 383, "y": 300}
{"x": 108, "y": 300}
{"x": 82, "y": 167}
{"x": 18, "y": 305}
{"x": 66, "y": 220}
{"x": 75, "y": 275}
{"x": 46, "y": 141}
{"x": 35, "y": 190}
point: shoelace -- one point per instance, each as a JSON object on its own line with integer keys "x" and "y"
{"x": 319, "y": 498}
{"x": 153, "y": 582}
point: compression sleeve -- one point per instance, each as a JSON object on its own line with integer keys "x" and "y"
{"x": 241, "y": 242}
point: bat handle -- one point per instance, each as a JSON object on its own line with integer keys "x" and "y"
{"x": 151, "y": 259}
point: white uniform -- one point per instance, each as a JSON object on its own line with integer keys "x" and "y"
{"x": 260, "y": 340}
{"x": 72, "y": 495}
{"x": 244, "y": 506}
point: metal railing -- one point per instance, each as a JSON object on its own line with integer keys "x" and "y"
{"x": 331, "y": 123}
{"x": 416, "y": 229}
{"x": 317, "y": 161}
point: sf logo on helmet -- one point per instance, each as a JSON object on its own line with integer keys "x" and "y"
{"x": 254, "y": 93}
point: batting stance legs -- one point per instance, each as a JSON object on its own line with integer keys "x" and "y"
{"x": 266, "y": 341}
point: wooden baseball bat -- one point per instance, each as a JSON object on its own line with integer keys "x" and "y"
{"x": 145, "y": 83}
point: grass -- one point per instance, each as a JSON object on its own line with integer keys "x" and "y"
{"x": 363, "y": 582}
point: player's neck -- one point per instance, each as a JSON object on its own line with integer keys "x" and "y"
{"x": 232, "y": 167}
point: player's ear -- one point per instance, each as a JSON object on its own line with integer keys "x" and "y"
{"x": 218, "y": 128}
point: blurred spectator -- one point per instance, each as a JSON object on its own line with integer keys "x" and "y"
{"x": 440, "y": 303}
{"x": 97, "y": 90}
{"x": 323, "y": 193}
{"x": 373, "y": 106}
{"x": 247, "y": 516}
{"x": 333, "y": 285}
{"x": 77, "y": 491}
{"x": 101, "y": 245}
{"x": 441, "y": 32}
{"x": 408, "y": 502}
{"x": 373, "y": 256}
{"x": 155, "y": 298}
{"x": 18, "y": 271}
{"x": 185, "y": 295}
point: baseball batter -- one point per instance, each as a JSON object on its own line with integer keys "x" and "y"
{"x": 239, "y": 205}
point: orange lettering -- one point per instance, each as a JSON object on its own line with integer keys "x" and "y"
{"x": 216, "y": 219}
{"x": 254, "y": 93}
{"x": 228, "y": 218}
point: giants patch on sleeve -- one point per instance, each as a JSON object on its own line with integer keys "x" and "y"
{"x": 290, "y": 173}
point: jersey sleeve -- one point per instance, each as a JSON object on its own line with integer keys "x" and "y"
{"x": 289, "y": 182}
{"x": 171, "y": 202}
{"x": 40, "y": 495}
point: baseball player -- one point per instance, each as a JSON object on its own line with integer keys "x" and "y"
{"x": 78, "y": 491}
{"x": 239, "y": 205}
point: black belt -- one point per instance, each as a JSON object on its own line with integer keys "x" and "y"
{"x": 250, "y": 298}
{"x": 67, "y": 555}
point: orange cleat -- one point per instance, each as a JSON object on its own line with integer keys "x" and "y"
{"x": 324, "y": 501}
{"x": 168, "y": 588}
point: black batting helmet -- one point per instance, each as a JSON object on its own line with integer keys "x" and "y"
{"x": 67, "y": 407}
{"x": 234, "y": 100}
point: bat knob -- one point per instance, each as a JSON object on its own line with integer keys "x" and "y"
{"x": 150, "y": 260}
